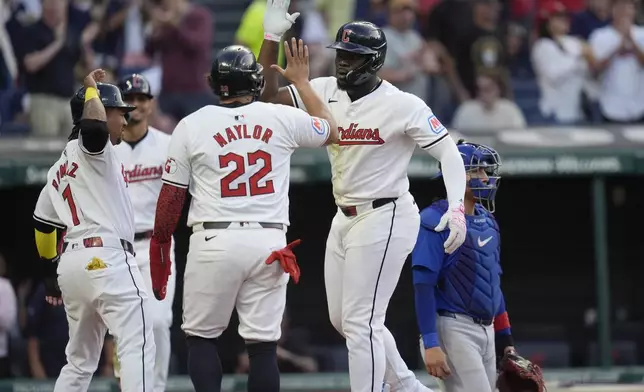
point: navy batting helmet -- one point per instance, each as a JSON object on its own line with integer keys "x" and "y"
{"x": 135, "y": 84}
{"x": 236, "y": 73}
{"x": 366, "y": 39}
{"x": 109, "y": 94}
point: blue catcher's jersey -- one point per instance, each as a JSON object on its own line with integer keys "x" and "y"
{"x": 469, "y": 280}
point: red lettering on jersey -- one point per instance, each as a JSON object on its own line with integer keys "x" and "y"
{"x": 72, "y": 173}
{"x": 353, "y": 136}
{"x": 124, "y": 176}
{"x": 144, "y": 173}
{"x": 63, "y": 172}
{"x": 238, "y": 129}
{"x": 242, "y": 133}
{"x": 231, "y": 136}
{"x": 267, "y": 135}
{"x": 257, "y": 132}
{"x": 220, "y": 140}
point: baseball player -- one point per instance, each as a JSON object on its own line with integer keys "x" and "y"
{"x": 377, "y": 220}
{"x": 459, "y": 303}
{"x": 234, "y": 159}
{"x": 102, "y": 288}
{"x": 143, "y": 154}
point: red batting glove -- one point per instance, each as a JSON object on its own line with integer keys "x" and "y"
{"x": 159, "y": 267}
{"x": 287, "y": 260}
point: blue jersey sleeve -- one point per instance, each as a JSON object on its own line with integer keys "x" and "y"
{"x": 427, "y": 262}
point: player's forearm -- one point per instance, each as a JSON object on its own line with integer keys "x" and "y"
{"x": 425, "y": 304}
{"x": 93, "y": 109}
{"x": 452, "y": 168}
{"x": 317, "y": 108}
{"x": 502, "y": 329}
{"x": 168, "y": 212}
{"x": 267, "y": 57}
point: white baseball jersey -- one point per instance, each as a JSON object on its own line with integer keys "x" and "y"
{"x": 86, "y": 194}
{"x": 236, "y": 161}
{"x": 144, "y": 162}
{"x": 378, "y": 135}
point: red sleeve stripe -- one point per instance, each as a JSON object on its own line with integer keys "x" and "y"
{"x": 501, "y": 322}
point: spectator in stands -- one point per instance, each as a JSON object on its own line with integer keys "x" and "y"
{"x": 619, "y": 53}
{"x": 470, "y": 33}
{"x": 47, "y": 335}
{"x": 336, "y": 13}
{"x": 409, "y": 60}
{"x": 293, "y": 351}
{"x": 491, "y": 110}
{"x": 8, "y": 317}
{"x": 49, "y": 51}
{"x": 596, "y": 15}
{"x": 561, "y": 63}
{"x": 182, "y": 35}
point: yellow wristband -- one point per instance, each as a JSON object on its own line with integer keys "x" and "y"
{"x": 90, "y": 93}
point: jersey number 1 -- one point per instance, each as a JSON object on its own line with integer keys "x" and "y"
{"x": 240, "y": 169}
{"x": 69, "y": 198}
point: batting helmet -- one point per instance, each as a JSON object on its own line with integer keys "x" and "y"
{"x": 236, "y": 73}
{"x": 363, "y": 38}
{"x": 109, "y": 94}
{"x": 135, "y": 84}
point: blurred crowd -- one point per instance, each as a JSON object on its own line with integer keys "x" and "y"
{"x": 479, "y": 64}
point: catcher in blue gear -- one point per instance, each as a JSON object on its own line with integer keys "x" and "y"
{"x": 460, "y": 306}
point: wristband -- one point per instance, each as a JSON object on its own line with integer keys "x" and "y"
{"x": 90, "y": 93}
{"x": 272, "y": 37}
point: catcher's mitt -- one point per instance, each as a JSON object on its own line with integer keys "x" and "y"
{"x": 517, "y": 374}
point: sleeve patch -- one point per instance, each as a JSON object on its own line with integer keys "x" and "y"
{"x": 170, "y": 166}
{"x": 435, "y": 125}
{"x": 319, "y": 126}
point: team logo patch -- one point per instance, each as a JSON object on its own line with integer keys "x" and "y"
{"x": 318, "y": 126}
{"x": 170, "y": 166}
{"x": 436, "y": 126}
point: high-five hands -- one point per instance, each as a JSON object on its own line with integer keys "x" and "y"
{"x": 297, "y": 62}
{"x": 277, "y": 20}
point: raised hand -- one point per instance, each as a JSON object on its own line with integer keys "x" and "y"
{"x": 297, "y": 62}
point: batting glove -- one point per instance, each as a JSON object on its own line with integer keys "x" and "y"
{"x": 277, "y": 20}
{"x": 454, "y": 219}
{"x": 159, "y": 267}
{"x": 287, "y": 260}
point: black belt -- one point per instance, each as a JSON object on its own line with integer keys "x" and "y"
{"x": 353, "y": 211}
{"x": 144, "y": 235}
{"x": 476, "y": 320}
{"x": 225, "y": 225}
{"x": 97, "y": 242}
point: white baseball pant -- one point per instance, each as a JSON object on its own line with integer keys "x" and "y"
{"x": 160, "y": 315}
{"x": 103, "y": 289}
{"x": 225, "y": 270}
{"x": 470, "y": 353}
{"x": 364, "y": 257}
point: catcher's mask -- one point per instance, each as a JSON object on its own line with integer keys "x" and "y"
{"x": 477, "y": 157}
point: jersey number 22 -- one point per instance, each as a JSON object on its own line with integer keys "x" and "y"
{"x": 242, "y": 189}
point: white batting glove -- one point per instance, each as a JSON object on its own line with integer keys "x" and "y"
{"x": 277, "y": 20}
{"x": 454, "y": 219}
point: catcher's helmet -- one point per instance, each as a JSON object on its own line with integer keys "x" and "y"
{"x": 475, "y": 157}
{"x": 135, "y": 84}
{"x": 236, "y": 73}
{"x": 363, "y": 38}
{"x": 110, "y": 97}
